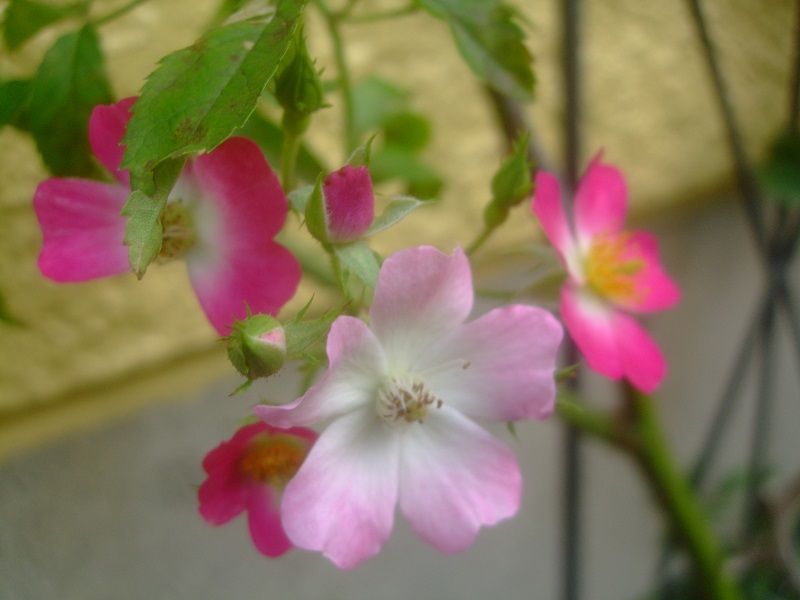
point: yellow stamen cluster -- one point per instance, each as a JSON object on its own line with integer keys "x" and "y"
{"x": 610, "y": 271}
{"x": 273, "y": 460}
{"x": 399, "y": 401}
{"x": 180, "y": 234}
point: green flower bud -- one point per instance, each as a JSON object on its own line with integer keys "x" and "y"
{"x": 257, "y": 346}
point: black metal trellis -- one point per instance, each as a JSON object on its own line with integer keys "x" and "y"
{"x": 776, "y": 234}
{"x": 573, "y": 463}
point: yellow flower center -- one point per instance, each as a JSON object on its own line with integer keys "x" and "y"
{"x": 609, "y": 268}
{"x": 180, "y": 234}
{"x": 273, "y": 460}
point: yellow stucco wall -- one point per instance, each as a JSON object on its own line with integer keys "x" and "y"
{"x": 100, "y": 349}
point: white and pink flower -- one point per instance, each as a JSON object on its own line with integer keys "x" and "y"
{"x": 248, "y": 473}
{"x": 612, "y": 273}
{"x": 401, "y": 395}
{"x": 221, "y": 217}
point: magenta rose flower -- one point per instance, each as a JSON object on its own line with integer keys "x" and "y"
{"x": 220, "y": 218}
{"x": 247, "y": 473}
{"x": 613, "y": 274}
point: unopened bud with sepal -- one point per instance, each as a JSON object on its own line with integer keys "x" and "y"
{"x": 257, "y": 346}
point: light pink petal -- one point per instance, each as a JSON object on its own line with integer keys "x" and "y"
{"x": 263, "y": 281}
{"x": 237, "y": 265}
{"x": 590, "y": 324}
{"x": 342, "y": 500}
{"x": 356, "y": 366}
{"x": 349, "y": 202}
{"x": 655, "y": 290}
{"x": 601, "y": 201}
{"x": 421, "y": 295}
{"x": 106, "y": 130}
{"x": 264, "y": 522}
{"x": 548, "y": 208}
{"x": 499, "y": 367}
{"x": 643, "y": 362}
{"x": 454, "y": 479}
{"x": 82, "y": 229}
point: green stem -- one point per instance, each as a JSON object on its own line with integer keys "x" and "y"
{"x": 289, "y": 151}
{"x": 638, "y": 434}
{"x": 682, "y": 506}
{"x": 587, "y": 420}
{"x": 115, "y": 14}
{"x": 484, "y": 235}
{"x": 345, "y": 82}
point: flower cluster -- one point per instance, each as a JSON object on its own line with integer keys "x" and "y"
{"x": 405, "y": 389}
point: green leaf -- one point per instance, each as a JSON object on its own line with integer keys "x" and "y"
{"x": 269, "y": 136}
{"x": 304, "y": 338}
{"x": 374, "y": 101}
{"x": 69, "y": 83}
{"x": 398, "y": 208}
{"x": 25, "y": 18}
{"x": 781, "y": 172}
{"x": 199, "y": 95}
{"x": 298, "y": 89}
{"x": 513, "y": 183}
{"x": 490, "y": 41}
{"x": 359, "y": 259}
{"x": 14, "y": 96}
{"x": 407, "y": 130}
{"x": 143, "y": 228}
{"x": 510, "y": 185}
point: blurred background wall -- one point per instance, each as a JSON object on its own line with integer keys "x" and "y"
{"x": 96, "y": 492}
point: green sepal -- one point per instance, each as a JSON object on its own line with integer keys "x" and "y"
{"x": 361, "y": 156}
{"x": 359, "y": 259}
{"x": 398, "y": 208}
{"x": 316, "y": 214}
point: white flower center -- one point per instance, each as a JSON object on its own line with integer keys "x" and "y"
{"x": 405, "y": 401}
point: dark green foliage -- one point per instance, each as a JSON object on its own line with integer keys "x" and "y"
{"x": 69, "y": 83}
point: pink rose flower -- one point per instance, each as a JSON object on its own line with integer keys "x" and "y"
{"x": 401, "y": 395}
{"x": 248, "y": 473}
{"x": 221, "y": 217}
{"x": 612, "y": 273}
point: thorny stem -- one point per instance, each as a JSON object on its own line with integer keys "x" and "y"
{"x": 332, "y": 22}
{"x": 115, "y": 14}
